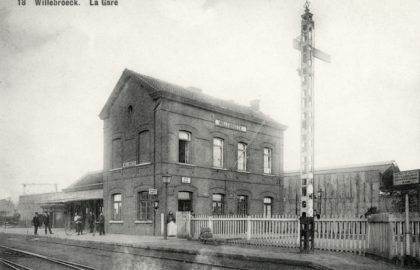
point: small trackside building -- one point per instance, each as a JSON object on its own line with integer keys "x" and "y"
{"x": 223, "y": 158}
{"x": 349, "y": 191}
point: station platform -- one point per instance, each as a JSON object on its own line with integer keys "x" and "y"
{"x": 317, "y": 260}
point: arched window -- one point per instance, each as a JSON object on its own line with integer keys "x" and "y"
{"x": 184, "y": 140}
{"x": 116, "y": 206}
{"x": 241, "y": 156}
{"x": 268, "y": 206}
{"x": 218, "y": 204}
{"x": 217, "y": 152}
{"x": 144, "y": 210}
{"x": 242, "y": 205}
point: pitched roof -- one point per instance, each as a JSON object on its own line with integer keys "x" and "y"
{"x": 380, "y": 166}
{"x": 158, "y": 88}
{"x": 92, "y": 180}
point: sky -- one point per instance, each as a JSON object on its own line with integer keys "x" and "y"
{"x": 59, "y": 65}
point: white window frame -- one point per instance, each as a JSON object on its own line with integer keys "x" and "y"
{"x": 268, "y": 201}
{"x": 147, "y": 201}
{"x": 219, "y": 146}
{"x": 117, "y": 216}
{"x": 219, "y": 204}
{"x": 186, "y": 137}
{"x": 242, "y": 156}
{"x": 268, "y": 160}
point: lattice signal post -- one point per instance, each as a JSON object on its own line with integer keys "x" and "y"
{"x": 305, "y": 43}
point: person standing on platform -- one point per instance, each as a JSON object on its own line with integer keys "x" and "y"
{"x": 101, "y": 223}
{"x": 91, "y": 221}
{"x": 47, "y": 223}
{"x": 171, "y": 223}
{"x": 78, "y": 222}
{"x": 35, "y": 222}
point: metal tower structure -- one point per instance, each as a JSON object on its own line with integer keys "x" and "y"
{"x": 305, "y": 43}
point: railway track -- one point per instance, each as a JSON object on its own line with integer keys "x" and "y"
{"x": 71, "y": 265}
{"x": 8, "y": 257}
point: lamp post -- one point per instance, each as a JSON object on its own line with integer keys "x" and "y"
{"x": 166, "y": 179}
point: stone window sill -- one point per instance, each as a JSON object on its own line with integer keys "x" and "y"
{"x": 186, "y": 164}
{"x": 143, "y": 222}
{"x": 116, "y": 222}
{"x": 143, "y": 164}
{"x": 221, "y": 169}
{"x": 115, "y": 169}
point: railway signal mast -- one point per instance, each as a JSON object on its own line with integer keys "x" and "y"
{"x": 305, "y": 44}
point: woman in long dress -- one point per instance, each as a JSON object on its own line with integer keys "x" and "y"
{"x": 171, "y": 224}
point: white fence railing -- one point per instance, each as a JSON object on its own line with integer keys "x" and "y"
{"x": 398, "y": 235}
{"x": 341, "y": 234}
{"x": 382, "y": 235}
{"x": 387, "y": 237}
{"x": 336, "y": 234}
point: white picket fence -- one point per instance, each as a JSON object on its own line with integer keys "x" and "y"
{"x": 277, "y": 230}
{"x": 398, "y": 228}
{"x": 387, "y": 237}
{"x": 335, "y": 234}
{"x": 341, "y": 234}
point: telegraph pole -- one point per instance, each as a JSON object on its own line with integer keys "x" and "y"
{"x": 305, "y": 44}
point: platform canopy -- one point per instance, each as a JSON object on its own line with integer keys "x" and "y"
{"x": 83, "y": 195}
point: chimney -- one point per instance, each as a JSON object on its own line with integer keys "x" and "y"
{"x": 255, "y": 104}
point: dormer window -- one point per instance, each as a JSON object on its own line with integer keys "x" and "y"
{"x": 130, "y": 110}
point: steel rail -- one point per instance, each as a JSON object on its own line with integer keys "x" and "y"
{"x": 57, "y": 261}
{"x": 134, "y": 254}
{"x": 13, "y": 265}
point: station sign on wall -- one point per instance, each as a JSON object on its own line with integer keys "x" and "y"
{"x": 228, "y": 125}
{"x": 406, "y": 179}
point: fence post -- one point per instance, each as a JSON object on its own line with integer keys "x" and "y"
{"x": 368, "y": 232}
{"x": 162, "y": 223}
{"x": 210, "y": 223}
{"x": 391, "y": 235}
{"x": 249, "y": 229}
{"x": 188, "y": 225}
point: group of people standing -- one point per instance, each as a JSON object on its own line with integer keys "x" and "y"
{"x": 40, "y": 219}
{"x": 45, "y": 219}
{"x": 78, "y": 220}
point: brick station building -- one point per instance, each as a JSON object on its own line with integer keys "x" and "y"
{"x": 223, "y": 158}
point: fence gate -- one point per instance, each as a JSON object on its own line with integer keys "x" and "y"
{"x": 182, "y": 224}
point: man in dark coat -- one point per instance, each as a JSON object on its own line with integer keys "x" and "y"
{"x": 101, "y": 223}
{"x": 91, "y": 221}
{"x": 35, "y": 222}
{"x": 47, "y": 222}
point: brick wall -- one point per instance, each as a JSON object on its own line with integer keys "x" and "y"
{"x": 171, "y": 117}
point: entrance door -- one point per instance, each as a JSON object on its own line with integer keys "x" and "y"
{"x": 184, "y": 209}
